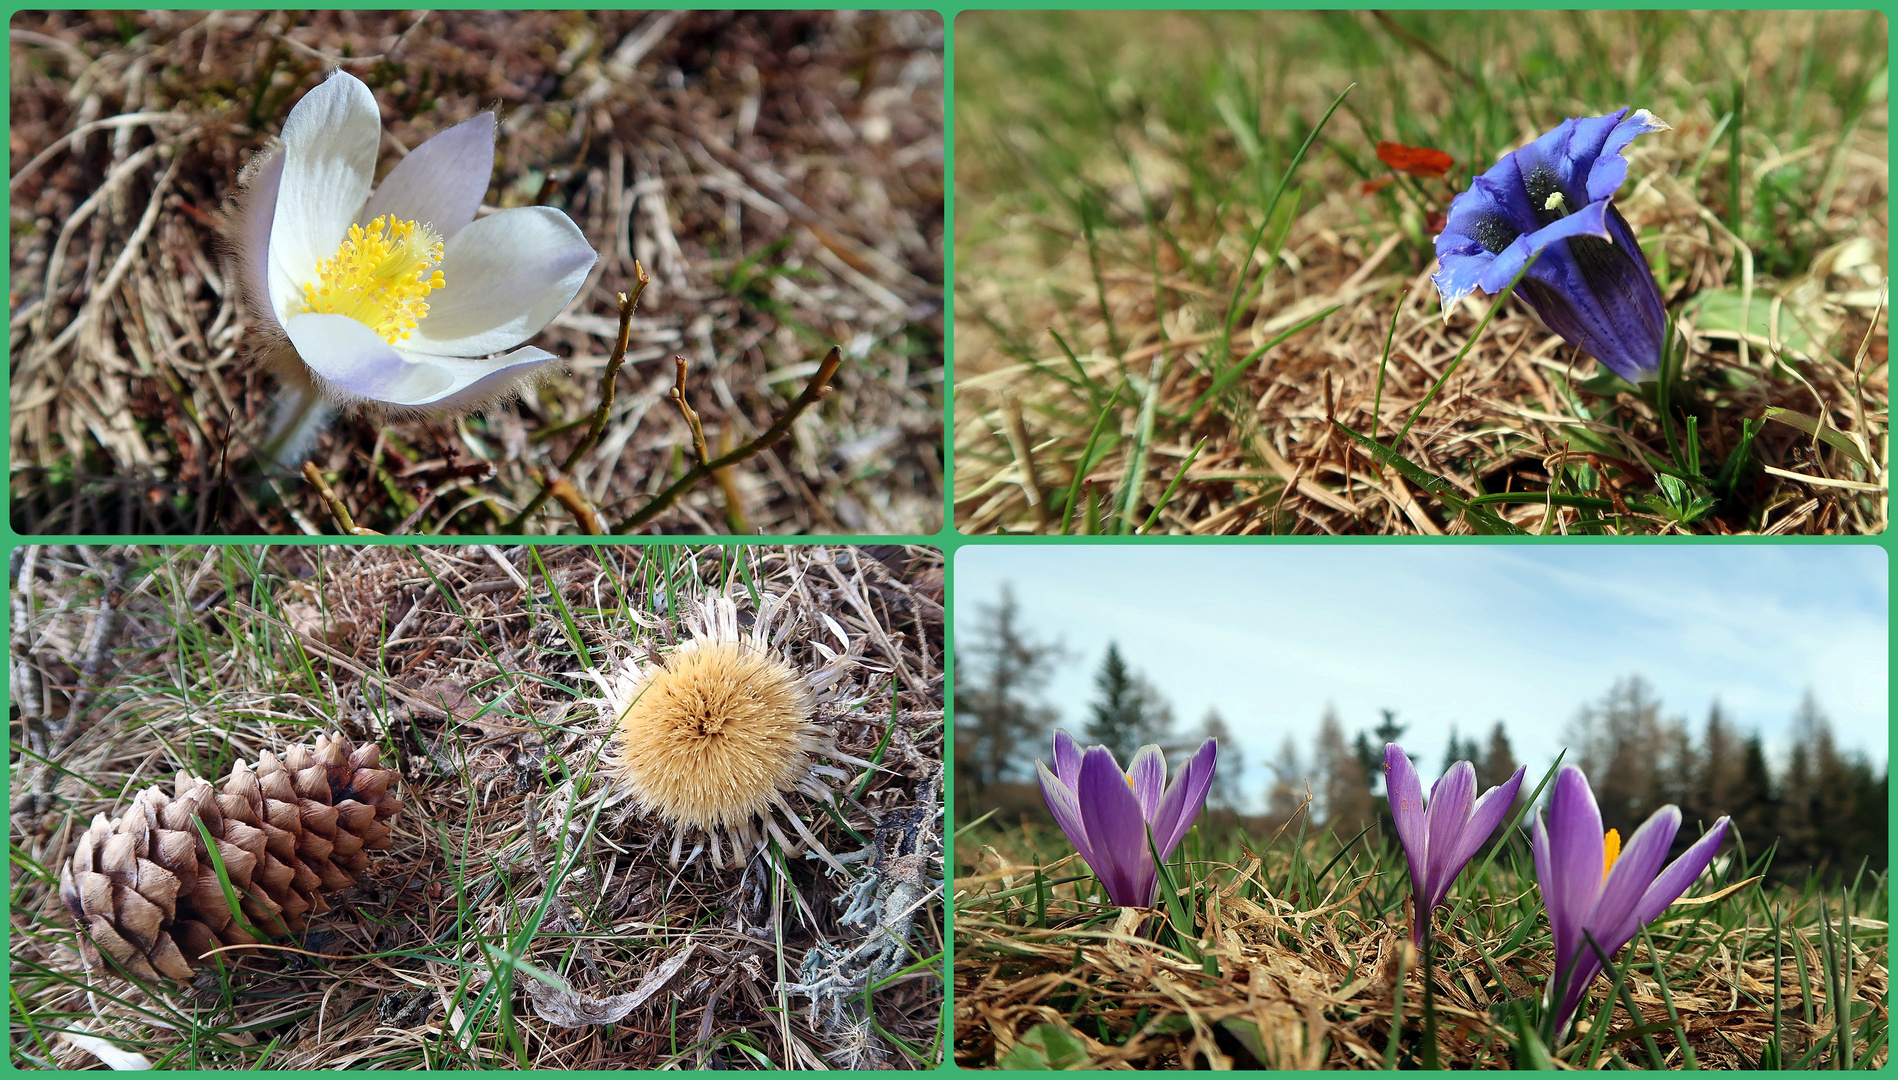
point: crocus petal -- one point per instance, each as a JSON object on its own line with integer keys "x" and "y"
{"x": 1681, "y": 873}
{"x": 1539, "y": 848}
{"x": 1642, "y": 856}
{"x": 1452, "y": 798}
{"x": 1067, "y": 759}
{"x": 1635, "y": 892}
{"x": 1185, "y": 797}
{"x": 1066, "y": 810}
{"x": 1115, "y": 830}
{"x": 507, "y": 276}
{"x": 330, "y": 141}
{"x": 442, "y": 181}
{"x": 1491, "y": 807}
{"x": 1147, "y": 771}
{"x": 1405, "y": 793}
{"x": 1573, "y": 878}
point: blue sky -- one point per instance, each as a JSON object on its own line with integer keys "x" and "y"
{"x": 1459, "y": 635}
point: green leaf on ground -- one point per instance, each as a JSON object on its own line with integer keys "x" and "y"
{"x": 1046, "y": 1047}
{"x": 1831, "y": 436}
{"x": 1719, "y": 311}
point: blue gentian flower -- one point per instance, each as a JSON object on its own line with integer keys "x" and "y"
{"x": 1554, "y": 198}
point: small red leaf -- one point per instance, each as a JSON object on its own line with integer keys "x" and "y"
{"x": 1415, "y": 160}
{"x": 1376, "y": 184}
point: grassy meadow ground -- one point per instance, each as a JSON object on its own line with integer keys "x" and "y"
{"x": 1303, "y": 960}
{"x": 468, "y": 667}
{"x": 778, "y": 174}
{"x": 1162, "y": 308}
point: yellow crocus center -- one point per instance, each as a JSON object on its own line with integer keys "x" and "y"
{"x": 1610, "y": 850}
{"x": 380, "y": 277}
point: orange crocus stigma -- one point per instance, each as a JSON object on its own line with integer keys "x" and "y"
{"x": 1610, "y": 849}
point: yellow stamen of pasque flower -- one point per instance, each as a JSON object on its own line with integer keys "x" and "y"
{"x": 380, "y": 276}
{"x": 1611, "y": 849}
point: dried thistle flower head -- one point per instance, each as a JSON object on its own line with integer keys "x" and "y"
{"x": 712, "y": 738}
{"x": 714, "y": 734}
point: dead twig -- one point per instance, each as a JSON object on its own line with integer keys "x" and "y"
{"x": 608, "y": 380}
{"x": 569, "y": 496}
{"x": 685, "y": 409}
{"x": 335, "y": 502}
{"x": 814, "y": 392}
{"x": 734, "y": 511}
{"x": 1025, "y": 460}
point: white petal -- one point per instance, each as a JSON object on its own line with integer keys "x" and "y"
{"x": 330, "y": 144}
{"x": 352, "y": 360}
{"x": 256, "y": 210}
{"x": 507, "y": 276}
{"x": 474, "y": 384}
{"x": 356, "y": 365}
{"x": 442, "y": 181}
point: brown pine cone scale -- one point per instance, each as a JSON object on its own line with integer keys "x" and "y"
{"x": 143, "y": 890}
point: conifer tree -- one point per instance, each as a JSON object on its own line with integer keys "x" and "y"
{"x": 1001, "y": 668}
{"x": 1129, "y": 712}
{"x": 1225, "y": 794}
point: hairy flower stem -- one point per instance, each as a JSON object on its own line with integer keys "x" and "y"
{"x": 300, "y": 416}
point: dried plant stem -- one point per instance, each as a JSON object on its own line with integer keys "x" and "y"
{"x": 728, "y": 483}
{"x": 608, "y": 380}
{"x": 1024, "y": 451}
{"x": 685, "y": 409}
{"x": 569, "y": 496}
{"x": 734, "y": 510}
{"x": 335, "y": 503}
{"x": 814, "y": 392}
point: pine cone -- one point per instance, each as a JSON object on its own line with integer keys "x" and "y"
{"x": 143, "y": 891}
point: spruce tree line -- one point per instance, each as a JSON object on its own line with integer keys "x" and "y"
{"x": 1822, "y": 808}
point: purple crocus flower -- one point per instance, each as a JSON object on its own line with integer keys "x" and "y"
{"x": 1442, "y": 837}
{"x": 1107, "y": 813}
{"x": 1595, "y": 888}
{"x": 1554, "y": 197}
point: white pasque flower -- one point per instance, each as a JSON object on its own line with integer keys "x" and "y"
{"x": 399, "y": 297}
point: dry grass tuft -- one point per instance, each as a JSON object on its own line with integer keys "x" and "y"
{"x": 779, "y": 174}
{"x": 469, "y": 668}
{"x": 1316, "y": 981}
{"x": 1139, "y": 289}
